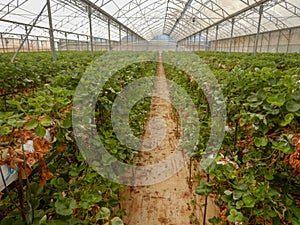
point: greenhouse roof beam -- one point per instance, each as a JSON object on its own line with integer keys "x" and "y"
{"x": 219, "y": 11}
{"x": 250, "y": 7}
{"x": 168, "y": 26}
{"x": 291, "y": 8}
{"x": 270, "y": 4}
{"x": 136, "y": 5}
{"x": 186, "y": 7}
{"x": 130, "y": 6}
{"x": 203, "y": 18}
{"x": 83, "y": 4}
{"x": 27, "y": 33}
{"x": 214, "y": 7}
{"x": 14, "y": 26}
{"x": 41, "y": 27}
{"x": 166, "y": 15}
{"x": 11, "y": 6}
{"x": 109, "y": 17}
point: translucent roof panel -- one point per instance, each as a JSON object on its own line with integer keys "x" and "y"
{"x": 180, "y": 18}
{"x": 149, "y": 18}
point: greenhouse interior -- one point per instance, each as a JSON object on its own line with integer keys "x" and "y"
{"x": 150, "y": 112}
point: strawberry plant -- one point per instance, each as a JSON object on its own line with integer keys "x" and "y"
{"x": 66, "y": 190}
{"x": 255, "y": 178}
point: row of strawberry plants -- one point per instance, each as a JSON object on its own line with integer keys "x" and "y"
{"x": 67, "y": 190}
{"x": 247, "y": 61}
{"x": 31, "y": 72}
{"x": 255, "y": 178}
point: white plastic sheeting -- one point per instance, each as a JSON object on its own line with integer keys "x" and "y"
{"x": 149, "y": 18}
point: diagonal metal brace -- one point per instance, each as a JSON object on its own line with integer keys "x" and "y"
{"x": 27, "y": 34}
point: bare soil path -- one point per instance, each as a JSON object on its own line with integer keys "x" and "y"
{"x": 172, "y": 202}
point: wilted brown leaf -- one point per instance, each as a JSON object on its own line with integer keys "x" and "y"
{"x": 24, "y": 172}
{"x": 61, "y": 148}
{"x": 41, "y": 145}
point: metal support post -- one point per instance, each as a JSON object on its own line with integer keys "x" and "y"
{"x": 27, "y": 40}
{"x": 13, "y": 41}
{"x": 109, "y": 40}
{"x": 240, "y": 44}
{"x": 187, "y": 44}
{"x": 289, "y": 41}
{"x": 2, "y": 41}
{"x": 132, "y": 40}
{"x": 231, "y": 35}
{"x": 200, "y": 41}
{"x": 269, "y": 42}
{"x": 91, "y": 30}
{"x": 278, "y": 42}
{"x": 206, "y": 41}
{"x": 261, "y": 42}
{"x": 52, "y": 44}
{"x": 223, "y": 46}
{"x": 261, "y": 11}
{"x": 38, "y": 43}
{"x": 87, "y": 43}
{"x": 243, "y": 49}
{"x": 249, "y": 40}
{"x": 66, "y": 40}
{"x": 127, "y": 39}
{"x": 120, "y": 36}
{"x": 78, "y": 43}
{"x": 216, "y": 39}
{"x": 21, "y": 41}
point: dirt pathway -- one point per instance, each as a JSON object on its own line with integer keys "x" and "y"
{"x": 171, "y": 202}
